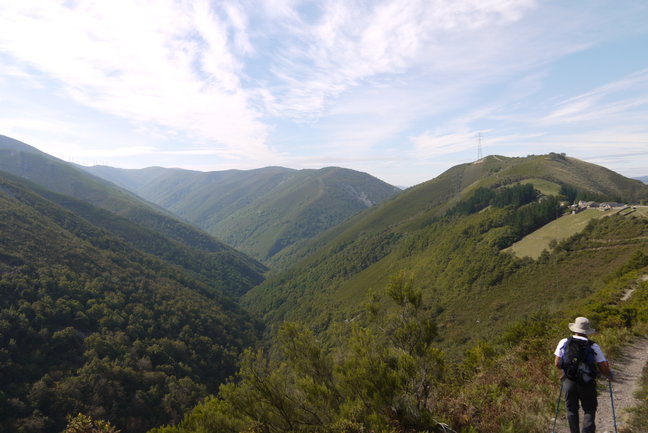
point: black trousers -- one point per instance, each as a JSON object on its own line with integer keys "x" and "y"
{"x": 585, "y": 395}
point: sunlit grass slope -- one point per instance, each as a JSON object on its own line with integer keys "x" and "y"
{"x": 533, "y": 244}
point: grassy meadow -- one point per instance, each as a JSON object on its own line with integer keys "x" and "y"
{"x": 535, "y": 243}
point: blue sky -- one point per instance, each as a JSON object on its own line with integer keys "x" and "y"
{"x": 398, "y": 89}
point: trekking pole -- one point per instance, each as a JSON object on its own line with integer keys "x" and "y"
{"x": 553, "y": 430}
{"x": 612, "y": 402}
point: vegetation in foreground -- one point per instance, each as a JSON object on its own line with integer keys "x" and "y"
{"x": 391, "y": 375}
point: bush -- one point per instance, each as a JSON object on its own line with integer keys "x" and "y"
{"x": 85, "y": 424}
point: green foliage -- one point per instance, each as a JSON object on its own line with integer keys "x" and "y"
{"x": 413, "y": 328}
{"x": 480, "y": 199}
{"x": 85, "y": 424}
{"x": 479, "y": 357}
{"x": 90, "y": 324}
{"x": 373, "y": 381}
{"x": 534, "y": 216}
{"x": 516, "y": 196}
{"x": 507, "y": 384}
{"x": 317, "y": 274}
{"x": 574, "y": 195}
{"x": 388, "y": 375}
{"x": 521, "y": 221}
{"x": 226, "y": 270}
{"x": 638, "y": 260}
{"x": 548, "y": 236}
{"x": 639, "y": 414}
{"x": 458, "y": 259}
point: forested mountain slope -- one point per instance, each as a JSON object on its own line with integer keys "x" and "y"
{"x": 163, "y": 235}
{"x": 448, "y": 233}
{"x": 417, "y": 358}
{"x": 261, "y": 211}
{"x": 90, "y": 323}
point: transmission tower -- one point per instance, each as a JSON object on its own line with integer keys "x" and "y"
{"x": 479, "y": 147}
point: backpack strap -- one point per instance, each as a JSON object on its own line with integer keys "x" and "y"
{"x": 566, "y": 345}
{"x": 563, "y": 357}
{"x": 591, "y": 354}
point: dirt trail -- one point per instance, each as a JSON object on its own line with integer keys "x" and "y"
{"x": 627, "y": 372}
{"x": 630, "y": 291}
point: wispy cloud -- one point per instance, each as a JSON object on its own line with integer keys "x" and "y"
{"x": 162, "y": 62}
{"x": 434, "y": 144}
{"x": 605, "y": 102}
{"x": 246, "y": 83}
{"x": 189, "y": 66}
{"x": 346, "y": 44}
{"x": 606, "y": 119}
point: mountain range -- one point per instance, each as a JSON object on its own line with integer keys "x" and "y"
{"x": 158, "y": 232}
{"x": 112, "y": 306}
{"x": 260, "y": 212}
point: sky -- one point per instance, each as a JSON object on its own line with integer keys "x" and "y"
{"x": 400, "y": 89}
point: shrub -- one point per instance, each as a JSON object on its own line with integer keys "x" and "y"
{"x": 85, "y": 424}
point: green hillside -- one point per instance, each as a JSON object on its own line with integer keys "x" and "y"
{"x": 416, "y": 207}
{"x": 163, "y": 235}
{"x": 261, "y": 212}
{"x": 89, "y": 323}
{"x": 393, "y": 365}
{"x": 456, "y": 257}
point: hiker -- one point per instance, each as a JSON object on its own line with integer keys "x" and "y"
{"x": 579, "y": 358}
